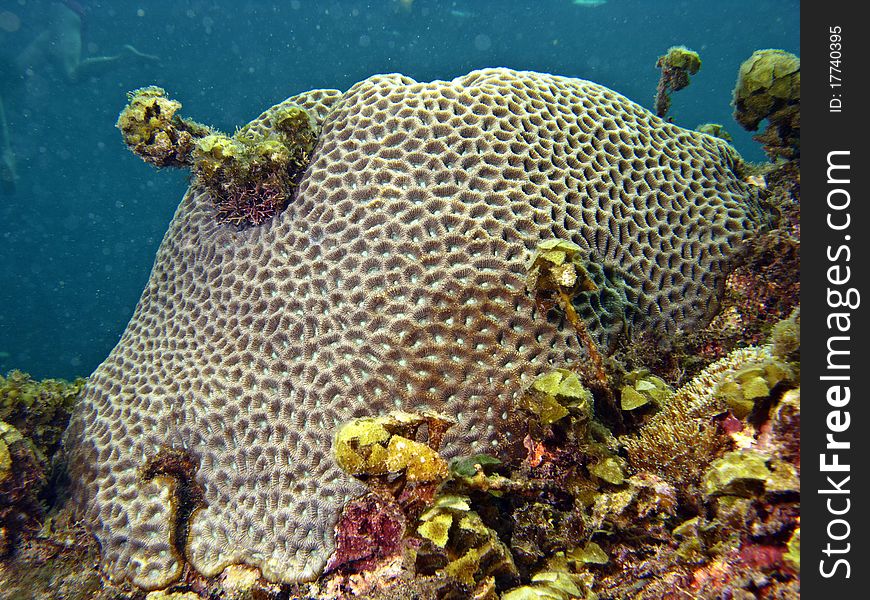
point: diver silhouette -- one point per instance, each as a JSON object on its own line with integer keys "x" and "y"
{"x": 58, "y": 44}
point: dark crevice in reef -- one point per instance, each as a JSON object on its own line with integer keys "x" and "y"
{"x": 189, "y": 495}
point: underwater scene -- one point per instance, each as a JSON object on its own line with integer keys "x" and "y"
{"x": 399, "y": 299}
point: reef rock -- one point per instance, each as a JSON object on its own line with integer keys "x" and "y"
{"x": 394, "y": 280}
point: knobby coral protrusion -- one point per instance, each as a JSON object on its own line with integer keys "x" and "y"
{"x": 154, "y": 131}
{"x": 250, "y": 176}
{"x": 676, "y": 66}
{"x": 769, "y": 87}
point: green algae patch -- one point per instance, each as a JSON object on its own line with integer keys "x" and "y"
{"x": 676, "y": 66}
{"x": 786, "y": 336}
{"x": 783, "y": 479}
{"x": 549, "y": 585}
{"x": 558, "y": 265}
{"x": 765, "y": 80}
{"x": 691, "y": 548}
{"x": 610, "y": 470}
{"x": 379, "y": 446}
{"x": 680, "y": 57}
{"x": 355, "y": 442}
{"x": 742, "y": 389}
{"x": 792, "y": 556}
{"x": 436, "y": 528}
{"x": 40, "y": 410}
{"x": 472, "y": 551}
{"x": 5, "y": 459}
{"x": 8, "y": 436}
{"x": 640, "y": 389}
{"x": 164, "y": 595}
{"x": 419, "y": 461}
{"x": 154, "y": 131}
{"x": 769, "y": 88}
{"x": 740, "y": 473}
{"x": 556, "y": 394}
{"x": 249, "y": 176}
{"x": 591, "y": 553}
{"x": 714, "y": 129}
{"x": 467, "y": 466}
{"x": 630, "y": 398}
{"x": 464, "y": 568}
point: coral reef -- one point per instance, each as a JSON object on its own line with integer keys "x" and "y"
{"x": 573, "y": 521}
{"x": 676, "y": 66}
{"x": 769, "y": 87}
{"x": 394, "y": 280}
{"x": 577, "y": 522}
{"x": 249, "y": 176}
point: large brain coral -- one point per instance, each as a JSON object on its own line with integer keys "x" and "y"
{"x": 394, "y": 280}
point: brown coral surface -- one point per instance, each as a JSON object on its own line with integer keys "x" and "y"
{"x": 395, "y": 279}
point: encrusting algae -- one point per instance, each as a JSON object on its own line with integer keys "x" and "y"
{"x": 249, "y": 176}
{"x": 769, "y": 87}
{"x": 676, "y": 66}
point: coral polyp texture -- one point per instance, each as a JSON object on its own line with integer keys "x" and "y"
{"x": 394, "y": 280}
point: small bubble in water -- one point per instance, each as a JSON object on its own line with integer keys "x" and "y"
{"x": 365, "y": 41}
{"x": 482, "y": 42}
{"x": 9, "y": 21}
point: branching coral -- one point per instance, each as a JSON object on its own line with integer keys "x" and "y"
{"x": 683, "y": 437}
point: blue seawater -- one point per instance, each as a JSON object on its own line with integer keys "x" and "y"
{"x": 78, "y": 236}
